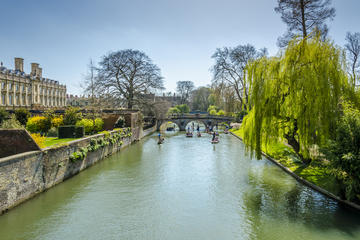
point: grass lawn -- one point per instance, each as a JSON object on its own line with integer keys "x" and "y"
{"x": 54, "y": 141}
{"x": 316, "y": 172}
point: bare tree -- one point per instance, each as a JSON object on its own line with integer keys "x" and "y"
{"x": 184, "y": 88}
{"x": 263, "y": 52}
{"x": 89, "y": 86}
{"x": 353, "y": 48}
{"x": 303, "y": 17}
{"x": 90, "y": 89}
{"x": 230, "y": 66}
{"x": 128, "y": 75}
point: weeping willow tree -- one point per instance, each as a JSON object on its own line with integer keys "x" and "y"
{"x": 295, "y": 96}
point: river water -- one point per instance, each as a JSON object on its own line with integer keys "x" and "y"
{"x": 186, "y": 189}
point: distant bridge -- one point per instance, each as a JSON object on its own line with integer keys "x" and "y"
{"x": 182, "y": 120}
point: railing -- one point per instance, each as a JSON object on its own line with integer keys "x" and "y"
{"x": 196, "y": 116}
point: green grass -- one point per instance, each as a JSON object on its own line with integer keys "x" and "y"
{"x": 54, "y": 141}
{"x": 316, "y": 172}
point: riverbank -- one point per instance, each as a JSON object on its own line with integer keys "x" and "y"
{"x": 314, "y": 175}
{"x": 24, "y": 175}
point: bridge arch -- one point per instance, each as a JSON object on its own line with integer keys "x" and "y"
{"x": 197, "y": 121}
{"x": 163, "y": 125}
{"x": 183, "y": 120}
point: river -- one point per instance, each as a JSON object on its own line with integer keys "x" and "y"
{"x": 185, "y": 189}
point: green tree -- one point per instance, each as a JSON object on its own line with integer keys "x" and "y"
{"x": 295, "y": 97}
{"x": 200, "y": 98}
{"x": 22, "y": 115}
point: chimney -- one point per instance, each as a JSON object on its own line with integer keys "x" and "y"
{"x": 34, "y": 69}
{"x": 19, "y": 64}
{"x": 39, "y": 72}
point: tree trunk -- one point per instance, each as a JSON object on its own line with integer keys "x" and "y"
{"x": 303, "y": 23}
{"x": 290, "y": 137}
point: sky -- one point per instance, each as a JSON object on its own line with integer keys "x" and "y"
{"x": 179, "y": 36}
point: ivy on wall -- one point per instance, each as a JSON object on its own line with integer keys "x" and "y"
{"x": 97, "y": 143}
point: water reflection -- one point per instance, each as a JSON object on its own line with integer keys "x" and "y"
{"x": 275, "y": 201}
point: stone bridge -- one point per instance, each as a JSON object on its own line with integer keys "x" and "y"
{"x": 183, "y": 120}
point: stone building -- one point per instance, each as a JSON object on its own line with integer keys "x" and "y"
{"x": 18, "y": 89}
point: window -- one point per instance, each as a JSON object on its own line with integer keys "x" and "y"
{"x": 3, "y": 99}
{"x": 3, "y": 85}
{"x": 17, "y": 87}
{"x": 17, "y": 100}
{"x": 29, "y": 99}
{"x": 10, "y": 86}
{"x": 23, "y": 88}
{"x": 10, "y": 99}
{"x": 23, "y": 100}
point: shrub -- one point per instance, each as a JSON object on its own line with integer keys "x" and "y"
{"x": 220, "y": 113}
{"x": 229, "y": 114}
{"x": 40, "y": 140}
{"x": 99, "y": 124}
{"x": 22, "y": 115}
{"x": 212, "y": 107}
{"x": 88, "y": 125}
{"x": 212, "y": 112}
{"x": 33, "y": 124}
{"x": 71, "y": 116}
{"x": 3, "y": 115}
{"x": 184, "y": 108}
{"x": 38, "y": 124}
{"x": 52, "y": 132}
{"x": 173, "y": 111}
{"x": 11, "y": 123}
{"x": 57, "y": 121}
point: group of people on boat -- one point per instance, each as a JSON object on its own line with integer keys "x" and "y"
{"x": 208, "y": 128}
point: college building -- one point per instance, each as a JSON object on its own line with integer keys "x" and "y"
{"x": 18, "y": 89}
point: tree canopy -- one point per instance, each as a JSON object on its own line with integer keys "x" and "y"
{"x": 200, "y": 98}
{"x": 295, "y": 96}
{"x": 229, "y": 69}
{"x": 303, "y": 17}
{"x": 184, "y": 89}
{"x": 128, "y": 75}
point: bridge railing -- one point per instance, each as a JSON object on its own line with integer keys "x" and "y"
{"x": 197, "y": 115}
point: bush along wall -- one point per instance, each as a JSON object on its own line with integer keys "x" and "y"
{"x": 115, "y": 139}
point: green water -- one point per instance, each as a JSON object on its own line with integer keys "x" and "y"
{"x": 183, "y": 189}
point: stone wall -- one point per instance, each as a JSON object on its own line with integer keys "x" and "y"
{"x": 24, "y": 175}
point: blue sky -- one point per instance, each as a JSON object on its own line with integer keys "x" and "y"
{"x": 179, "y": 36}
